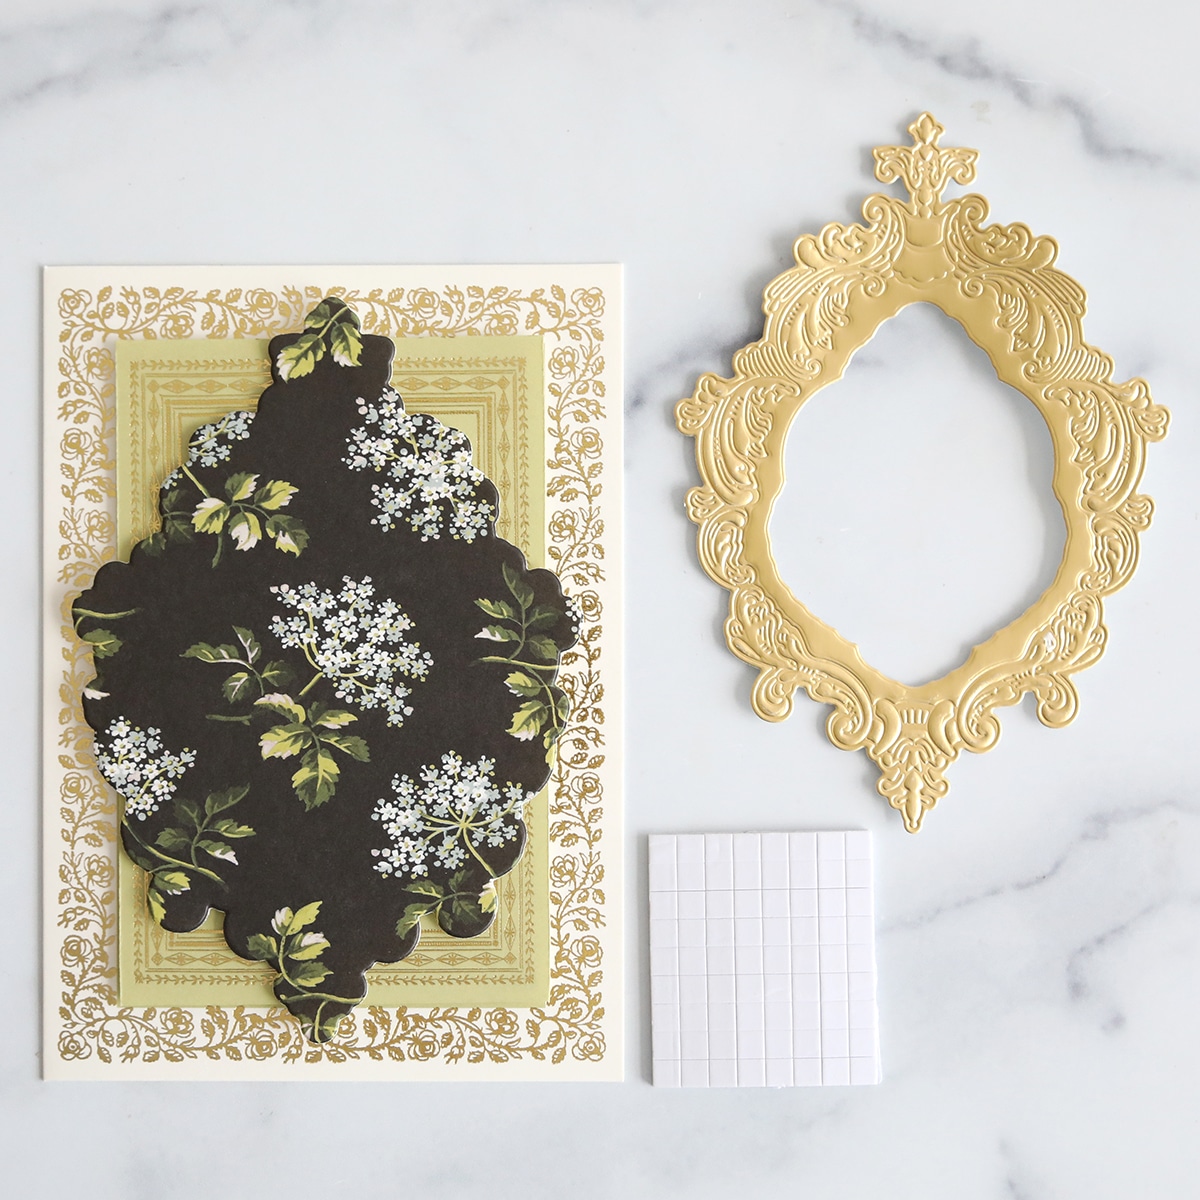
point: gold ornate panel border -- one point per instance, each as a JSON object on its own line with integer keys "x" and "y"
{"x": 88, "y": 1031}
{"x": 1000, "y": 283}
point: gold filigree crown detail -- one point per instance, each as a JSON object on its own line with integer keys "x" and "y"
{"x": 925, "y": 166}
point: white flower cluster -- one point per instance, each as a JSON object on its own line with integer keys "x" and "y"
{"x": 134, "y": 762}
{"x": 359, "y": 644}
{"x": 574, "y": 613}
{"x": 431, "y": 819}
{"x": 435, "y": 486}
{"x": 211, "y": 443}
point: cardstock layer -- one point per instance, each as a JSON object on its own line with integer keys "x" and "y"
{"x": 90, "y": 1030}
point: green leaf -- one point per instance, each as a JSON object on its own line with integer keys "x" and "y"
{"x": 210, "y": 515}
{"x": 327, "y": 1027}
{"x": 249, "y": 643}
{"x": 237, "y": 686}
{"x": 329, "y": 718}
{"x": 187, "y": 811}
{"x": 290, "y": 533}
{"x": 412, "y": 917}
{"x": 300, "y": 357}
{"x": 562, "y": 705}
{"x": 210, "y": 654}
{"x": 316, "y": 780}
{"x": 283, "y": 741}
{"x": 203, "y": 651}
{"x": 543, "y": 647}
{"x": 173, "y": 883}
{"x": 425, "y": 887}
{"x": 521, "y": 684}
{"x": 465, "y": 908}
{"x": 143, "y": 860}
{"x": 240, "y": 486}
{"x": 154, "y": 902}
{"x": 346, "y": 344}
{"x": 528, "y": 720}
{"x": 304, "y": 916}
{"x": 173, "y": 839}
{"x": 104, "y": 642}
{"x": 330, "y": 309}
{"x": 522, "y": 592}
{"x": 498, "y": 633}
{"x": 542, "y": 617}
{"x": 309, "y": 974}
{"x": 501, "y": 609}
{"x": 246, "y": 530}
{"x": 176, "y": 528}
{"x": 218, "y": 849}
{"x": 312, "y": 950}
{"x": 353, "y": 746}
{"x": 321, "y": 315}
{"x": 277, "y": 674}
{"x": 263, "y": 948}
{"x": 487, "y": 899}
{"x": 282, "y": 704}
{"x": 231, "y": 829}
{"x": 275, "y": 493}
{"x": 219, "y": 801}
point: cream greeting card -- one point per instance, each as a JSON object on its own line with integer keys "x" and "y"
{"x": 352, "y": 707}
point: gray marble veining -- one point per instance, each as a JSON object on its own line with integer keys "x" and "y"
{"x": 1039, "y": 942}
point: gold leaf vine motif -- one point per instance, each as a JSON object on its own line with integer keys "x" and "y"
{"x": 93, "y": 1025}
{"x": 1000, "y": 283}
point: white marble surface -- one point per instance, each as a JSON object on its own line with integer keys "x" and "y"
{"x": 1039, "y": 942}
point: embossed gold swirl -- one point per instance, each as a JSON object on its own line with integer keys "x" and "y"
{"x": 1000, "y": 283}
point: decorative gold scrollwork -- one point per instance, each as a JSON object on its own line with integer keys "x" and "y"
{"x": 1000, "y": 283}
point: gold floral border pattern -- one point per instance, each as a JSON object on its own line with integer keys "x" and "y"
{"x": 91, "y": 1024}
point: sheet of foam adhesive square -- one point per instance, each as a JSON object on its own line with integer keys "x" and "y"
{"x": 762, "y": 959}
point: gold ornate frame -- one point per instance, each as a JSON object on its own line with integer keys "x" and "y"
{"x": 1000, "y": 284}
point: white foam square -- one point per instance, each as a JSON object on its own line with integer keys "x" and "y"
{"x": 719, "y": 931}
{"x": 831, "y": 872}
{"x": 779, "y": 1072}
{"x": 762, "y": 960}
{"x": 777, "y": 959}
{"x": 722, "y": 1072}
{"x": 751, "y": 1072}
{"x": 835, "y": 1071}
{"x": 806, "y": 1072}
{"x": 722, "y": 1044}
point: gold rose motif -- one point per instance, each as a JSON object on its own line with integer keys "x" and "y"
{"x": 93, "y": 1027}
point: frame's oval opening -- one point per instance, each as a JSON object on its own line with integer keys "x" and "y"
{"x": 918, "y": 515}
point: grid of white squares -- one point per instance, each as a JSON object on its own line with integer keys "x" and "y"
{"x": 762, "y": 959}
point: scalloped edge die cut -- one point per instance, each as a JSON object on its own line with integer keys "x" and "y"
{"x": 999, "y": 283}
